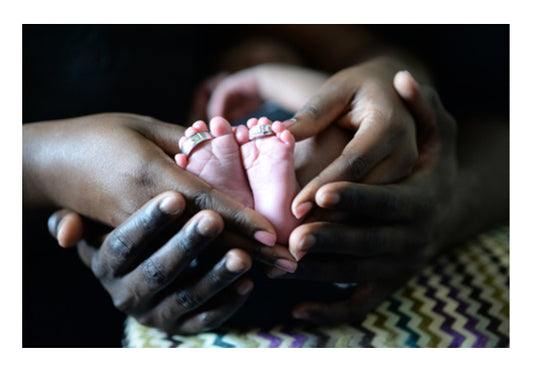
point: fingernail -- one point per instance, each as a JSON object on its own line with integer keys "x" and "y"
{"x": 266, "y": 238}
{"x": 235, "y": 265}
{"x": 304, "y": 246}
{"x": 60, "y": 234}
{"x": 273, "y": 272}
{"x": 245, "y": 287}
{"x": 289, "y": 122}
{"x": 301, "y": 210}
{"x": 205, "y": 227}
{"x": 286, "y": 265}
{"x": 330, "y": 199}
{"x": 170, "y": 205}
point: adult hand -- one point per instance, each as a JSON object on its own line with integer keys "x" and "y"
{"x": 106, "y": 166}
{"x": 145, "y": 266}
{"x": 378, "y": 236}
{"x": 361, "y": 99}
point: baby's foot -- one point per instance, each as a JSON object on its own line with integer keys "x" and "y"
{"x": 217, "y": 161}
{"x": 269, "y": 163}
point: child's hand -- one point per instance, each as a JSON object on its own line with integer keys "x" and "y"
{"x": 242, "y": 93}
{"x": 361, "y": 99}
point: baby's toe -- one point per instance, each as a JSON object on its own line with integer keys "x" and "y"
{"x": 190, "y": 131}
{"x": 241, "y": 135}
{"x": 181, "y": 160}
{"x": 251, "y": 122}
{"x": 220, "y": 126}
{"x": 200, "y": 125}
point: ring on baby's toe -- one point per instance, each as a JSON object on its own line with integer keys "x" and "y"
{"x": 259, "y": 131}
{"x": 195, "y": 139}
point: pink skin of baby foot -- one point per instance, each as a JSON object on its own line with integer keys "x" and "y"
{"x": 269, "y": 164}
{"x": 217, "y": 161}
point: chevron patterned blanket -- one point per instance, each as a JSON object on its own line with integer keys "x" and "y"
{"x": 462, "y": 300}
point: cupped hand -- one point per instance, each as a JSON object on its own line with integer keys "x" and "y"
{"x": 378, "y": 236}
{"x": 361, "y": 99}
{"x": 146, "y": 266}
{"x": 106, "y": 166}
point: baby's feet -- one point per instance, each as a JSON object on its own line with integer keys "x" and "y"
{"x": 269, "y": 164}
{"x": 217, "y": 161}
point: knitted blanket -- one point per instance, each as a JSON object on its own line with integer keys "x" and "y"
{"x": 462, "y": 300}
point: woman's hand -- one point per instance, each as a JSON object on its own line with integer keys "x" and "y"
{"x": 145, "y": 265}
{"x": 362, "y": 100}
{"x": 106, "y": 166}
{"x": 378, "y": 236}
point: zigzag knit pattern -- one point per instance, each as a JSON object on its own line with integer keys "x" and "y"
{"x": 462, "y": 300}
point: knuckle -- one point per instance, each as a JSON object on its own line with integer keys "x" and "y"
{"x": 208, "y": 320}
{"x": 310, "y": 110}
{"x": 126, "y": 300}
{"x": 202, "y": 200}
{"x": 357, "y": 166}
{"x": 100, "y": 270}
{"x": 187, "y": 300}
{"x": 147, "y": 220}
{"x": 118, "y": 244}
{"x": 146, "y": 320}
{"x": 153, "y": 273}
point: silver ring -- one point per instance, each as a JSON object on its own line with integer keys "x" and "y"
{"x": 259, "y": 131}
{"x": 195, "y": 139}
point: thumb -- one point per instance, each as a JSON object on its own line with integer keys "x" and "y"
{"x": 66, "y": 227}
{"x": 320, "y": 111}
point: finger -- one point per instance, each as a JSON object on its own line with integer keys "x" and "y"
{"x": 332, "y": 238}
{"x": 201, "y": 196}
{"x": 331, "y": 101}
{"x": 368, "y": 147}
{"x": 410, "y": 92}
{"x": 394, "y": 168}
{"x": 346, "y": 268}
{"x": 364, "y": 298}
{"x": 161, "y": 268}
{"x": 425, "y": 105}
{"x": 123, "y": 245}
{"x": 187, "y": 299}
{"x": 66, "y": 226}
{"x": 221, "y": 308}
{"x": 164, "y": 134}
{"x": 276, "y": 256}
{"x": 385, "y": 203}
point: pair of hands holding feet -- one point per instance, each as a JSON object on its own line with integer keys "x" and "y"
{"x": 375, "y": 235}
